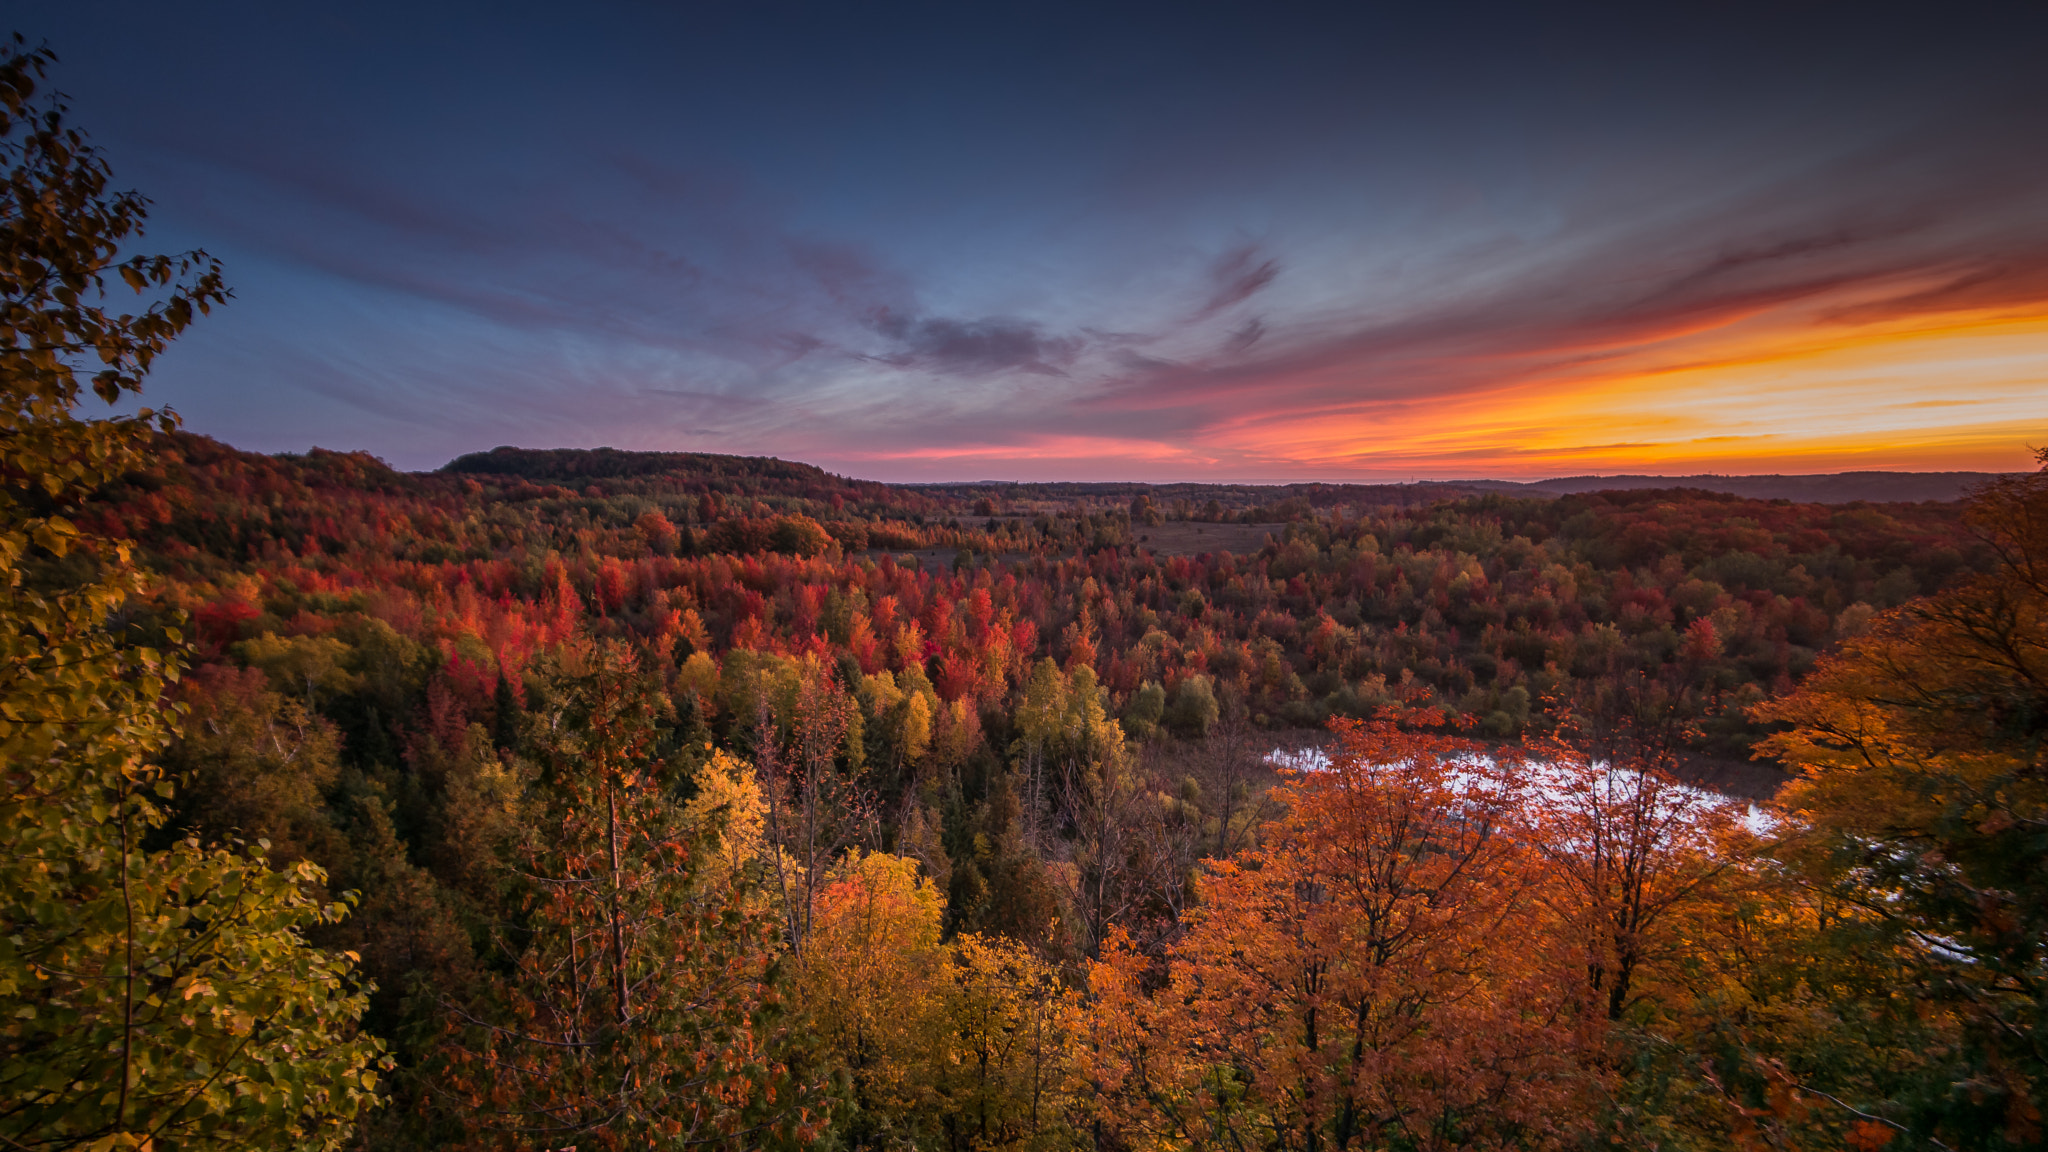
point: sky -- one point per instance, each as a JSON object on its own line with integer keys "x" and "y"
{"x": 1177, "y": 241}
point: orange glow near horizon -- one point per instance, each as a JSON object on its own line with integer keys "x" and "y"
{"x": 1791, "y": 390}
{"x": 1960, "y": 392}
{"x": 1966, "y": 393}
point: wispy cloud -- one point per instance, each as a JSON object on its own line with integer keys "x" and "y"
{"x": 1236, "y": 277}
{"x": 980, "y": 347}
{"x": 631, "y": 288}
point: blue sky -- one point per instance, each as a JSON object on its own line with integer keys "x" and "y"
{"x": 1155, "y": 242}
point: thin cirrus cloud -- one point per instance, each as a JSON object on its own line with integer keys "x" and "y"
{"x": 1798, "y": 321}
{"x": 1213, "y": 246}
{"x": 728, "y": 326}
{"x": 1238, "y": 276}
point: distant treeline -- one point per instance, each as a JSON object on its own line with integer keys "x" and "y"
{"x": 1829, "y": 488}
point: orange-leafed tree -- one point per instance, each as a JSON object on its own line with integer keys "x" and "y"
{"x": 1376, "y": 974}
{"x": 1630, "y": 851}
{"x": 1923, "y": 805}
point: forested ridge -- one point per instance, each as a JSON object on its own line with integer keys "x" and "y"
{"x": 1483, "y": 605}
{"x": 606, "y": 799}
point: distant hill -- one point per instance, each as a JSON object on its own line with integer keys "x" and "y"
{"x": 1830, "y": 488}
{"x": 582, "y": 465}
{"x": 563, "y": 464}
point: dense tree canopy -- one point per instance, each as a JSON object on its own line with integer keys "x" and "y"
{"x": 683, "y": 800}
{"x": 1056, "y": 710}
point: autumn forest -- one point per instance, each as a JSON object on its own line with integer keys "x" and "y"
{"x": 606, "y": 799}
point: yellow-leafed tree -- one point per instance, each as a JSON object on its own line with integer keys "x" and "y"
{"x": 1009, "y": 1079}
{"x": 149, "y": 997}
{"x": 872, "y": 982}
